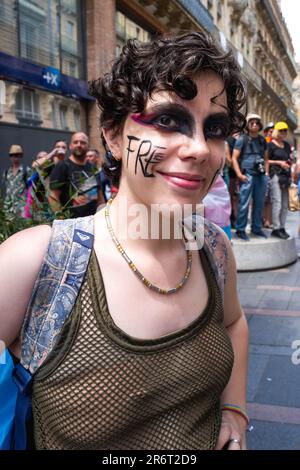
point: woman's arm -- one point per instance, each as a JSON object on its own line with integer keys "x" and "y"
{"x": 228, "y": 159}
{"x": 235, "y": 393}
{"x": 21, "y": 257}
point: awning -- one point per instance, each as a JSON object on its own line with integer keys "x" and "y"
{"x": 47, "y": 78}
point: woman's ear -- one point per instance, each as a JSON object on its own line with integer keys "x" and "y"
{"x": 114, "y": 142}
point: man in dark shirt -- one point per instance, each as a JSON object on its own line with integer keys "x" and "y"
{"x": 250, "y": 162}
{"x": 93, "y": 156}
{"x": 73, "y": 185}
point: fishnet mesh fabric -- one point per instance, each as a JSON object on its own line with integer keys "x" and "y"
{"x": 103, "y": 396}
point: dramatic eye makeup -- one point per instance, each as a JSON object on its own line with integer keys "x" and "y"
{"x": 169, "y": 117}
{"x": 217, "y": 126}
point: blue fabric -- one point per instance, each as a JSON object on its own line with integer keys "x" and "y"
{"x": 299, "y": 186}
{"x": 23, "y": 380}
{"x": 8, "y": 397}
{"x": 255, "y": 187}
{"x": 227, "y": 230}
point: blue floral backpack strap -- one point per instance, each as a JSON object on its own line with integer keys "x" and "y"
{"x": 53, "y": 297}
{"x": 217, "y": 251}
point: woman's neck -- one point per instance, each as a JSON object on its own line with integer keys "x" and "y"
{"x": 136, "y": 224}
{"x": 279, "y": 143}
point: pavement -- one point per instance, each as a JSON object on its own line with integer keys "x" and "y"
{"x": 271, "y": 302}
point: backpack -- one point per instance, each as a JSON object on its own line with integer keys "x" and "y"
{"x": 53, "y": 297}
{"x": 54, "y": 294}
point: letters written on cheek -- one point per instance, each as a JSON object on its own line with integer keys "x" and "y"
{"x": 146, "y": 154}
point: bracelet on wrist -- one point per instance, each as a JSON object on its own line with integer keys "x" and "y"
{"x": 236, "y": 409}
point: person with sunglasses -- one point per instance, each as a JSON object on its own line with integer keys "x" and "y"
{"x": 250, "y": 162}
{"x": 280, "y": 177}
{"x": 15, "y": 182}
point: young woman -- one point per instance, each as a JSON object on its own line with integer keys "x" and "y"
{"x": 154, "y": 355}
{"x": 280, "y": 177}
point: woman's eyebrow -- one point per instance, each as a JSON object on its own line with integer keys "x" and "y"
{"x": 218, "y": 116}
{"x": 172, "y": 108}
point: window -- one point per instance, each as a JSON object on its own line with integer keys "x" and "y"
{"x": 128, "y": 29}
{"x": 28, "y": 107}
{"x": 49, "y": 32}
{"x": 70, "y": 29}
{"x": 63, "y": 117}
{"x": 29, "y": 41}
{"x": 77, "y": 120}
{"x": 72, "y": 69}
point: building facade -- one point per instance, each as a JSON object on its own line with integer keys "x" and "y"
{"x": 50, "y": 49}
{"x": 254, "y": 30}
{"x": 296, "y": 100}
{"x": 43, "y": 86}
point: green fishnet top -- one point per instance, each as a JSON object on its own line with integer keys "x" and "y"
{"x": 102, "y": 389}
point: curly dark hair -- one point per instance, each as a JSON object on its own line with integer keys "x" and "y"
{"x": 165, "y": 63}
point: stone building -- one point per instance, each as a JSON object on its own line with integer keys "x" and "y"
{"x": 43, "y": 86}
{"x": 255, "y": 30}
{"x": 49, "y": 49}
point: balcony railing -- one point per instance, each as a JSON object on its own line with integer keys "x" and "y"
{"x": 247, "y": 70}
{"x": 292, "y": 117}
{"x": 267, "y": 90}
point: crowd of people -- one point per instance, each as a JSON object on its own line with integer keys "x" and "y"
{"x": 56, "y": 185}
{"x": 258, "y": 171}
{"x": 150, "y": 351}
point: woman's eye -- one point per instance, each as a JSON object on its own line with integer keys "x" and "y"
{"x": 216, "y": 132}
{"x": 167, "y": 121}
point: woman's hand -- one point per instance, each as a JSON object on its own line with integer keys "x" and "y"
{"x": 284, "y": 165}
{"x": 233, "y": 427}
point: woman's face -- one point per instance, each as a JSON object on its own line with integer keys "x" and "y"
{"x": 172, "y": 151}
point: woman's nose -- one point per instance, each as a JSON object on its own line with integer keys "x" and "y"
{"x": 195, "y": 148}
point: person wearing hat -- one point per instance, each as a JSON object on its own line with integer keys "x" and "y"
{"x": 15, "y": 182}
{"x": 250, "y": 162}
{"x": 280, "y": 177}
{"x": 268, "y": 130}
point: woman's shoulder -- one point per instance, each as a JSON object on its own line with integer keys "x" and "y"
{"x": 21, "y": 257}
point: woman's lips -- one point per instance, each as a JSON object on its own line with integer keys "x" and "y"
{"x": 183, "y": 180}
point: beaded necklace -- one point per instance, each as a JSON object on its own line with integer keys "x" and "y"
{"x": 134, "y": 268}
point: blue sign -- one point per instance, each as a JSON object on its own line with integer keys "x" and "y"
{"x": 51, "y": 78}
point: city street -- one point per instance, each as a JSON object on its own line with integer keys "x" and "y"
{"x": 271, "y": 301}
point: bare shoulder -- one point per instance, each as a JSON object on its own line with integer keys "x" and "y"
{"x": 21, "y": 257}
